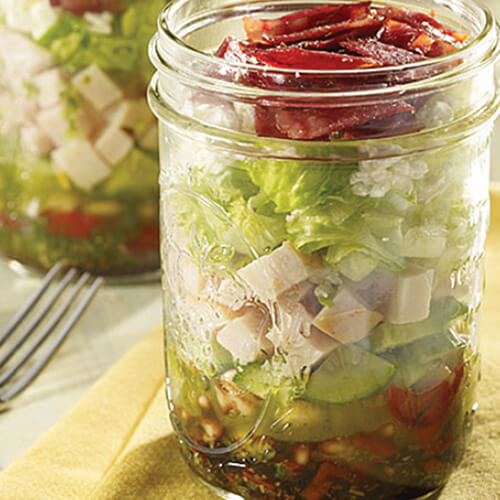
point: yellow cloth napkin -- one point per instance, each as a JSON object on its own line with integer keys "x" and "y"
{"x": 117, "y": 443}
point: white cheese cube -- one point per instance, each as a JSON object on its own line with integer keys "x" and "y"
{"x": 50, "y": 85}
{"x": 243, "y": 336}
{"x": 17, "y": 14}
{"x": 97, "y": 87}
{"x": 150, "y": 139}
{"x": 349, "y": 320}
{"x": 81, "y": 163}
{"x": 114, "y": 144}
{"x": 35, "y": 141}
{"x": 272, "y": 274}
{"x": 21, "y": 57}
{"x": 43, "y": 16}
{"x": 54, "y": 122}
{"x": 411, "y": 298}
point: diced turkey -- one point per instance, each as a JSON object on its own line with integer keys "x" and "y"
{"x": 97, "y": 87}
{"x": 21, "y": 57}
{"x": 349, "y": 320}
{"x": 303, "y": 351}
{"x": 50, "y": 85}
{"x": 272, "y": 274}
{"x": 114, "y": 144}
{"x": 411, "y": 298}
{"x": 35, "y": 141}
{"x": 244, "y": 336}
{"x": 81, "y": 163}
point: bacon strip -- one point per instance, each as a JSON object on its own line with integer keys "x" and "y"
{"x": 386, "y": 54}
{"x": 259, "y": 29}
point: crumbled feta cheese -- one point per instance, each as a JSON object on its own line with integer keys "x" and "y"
{"x": 375, "y": 178}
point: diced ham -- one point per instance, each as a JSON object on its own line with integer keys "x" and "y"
{"x": 349, "y": 320}
{"x": 97, "y": 87}
{"x": 81, "y": 163}
{"x": 272, "y": 274}
{"x": 244, "y": 336}
{"x": 411, "y": 297}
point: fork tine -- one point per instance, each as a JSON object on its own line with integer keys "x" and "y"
{"x": 40, "y": 364}
{"x": 20, "y": 315}
{"x": 39, "y": 316}
{"x": 40, "y": 338}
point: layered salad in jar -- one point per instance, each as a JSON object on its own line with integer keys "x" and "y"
{"x": 78, "y": 143}
{"x": 321, "y": 314}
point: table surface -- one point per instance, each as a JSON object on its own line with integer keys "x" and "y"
{"x": 116, "y": 320}
{"x": 119, "y": 317}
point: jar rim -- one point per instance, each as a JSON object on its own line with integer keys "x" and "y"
{"x": 482, "y": 49}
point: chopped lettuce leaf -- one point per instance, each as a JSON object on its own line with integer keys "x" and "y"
{"x": 75, "y": 46}
{"x": 296, "y": 185}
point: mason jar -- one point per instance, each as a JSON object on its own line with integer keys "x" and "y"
{"x": 78, "y": 143}
{"x": 321, "y": 283}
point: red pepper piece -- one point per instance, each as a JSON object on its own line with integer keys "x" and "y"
{"x": 79, "y": 7}
{"x": 398, "y": 34}
{"x": 373, "y": 444}
{"x": 312, "y": 123}
{"x": 326, "y": 476}
{"x": 298, "y": 58}
{"x": 369, "y": 28}
{"x": 425, "y": 23}
{"x": 422, "y": 412}
{"x": 320, "y": 32}
{"x": 71, "y": 224}
{"x": 381, "y": 52}
{"x": 147, "y": 240}
{"x": 258, "y": 29}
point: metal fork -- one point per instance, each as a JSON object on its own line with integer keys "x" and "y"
{"x": 13, "y": 378}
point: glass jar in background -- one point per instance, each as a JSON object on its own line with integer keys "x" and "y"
{"x": 78, "y": 143}
{"x": 322, "y": 247}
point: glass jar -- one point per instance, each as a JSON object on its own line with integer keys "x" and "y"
{"x": 78, "y": 143}
{"x": 321, "y": 296}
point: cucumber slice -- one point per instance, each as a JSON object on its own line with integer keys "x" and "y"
{"x": 349, "y": 374}
{"x": 388, "y": 336}
{"x": 415, "y": 360}
{"x": 255, "y": 378}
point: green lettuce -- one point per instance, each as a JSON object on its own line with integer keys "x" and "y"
{"x": 296, "y": 185}
{"x": 76, "y": 47}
